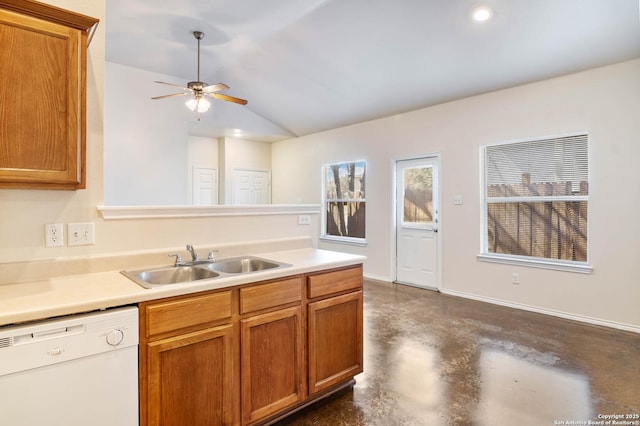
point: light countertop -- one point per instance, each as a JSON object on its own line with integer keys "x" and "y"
{"x": 100, "y": 290}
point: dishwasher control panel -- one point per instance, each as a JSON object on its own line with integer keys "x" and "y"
{"x": 41, "y": 343}
{"x": 77, "y": 370}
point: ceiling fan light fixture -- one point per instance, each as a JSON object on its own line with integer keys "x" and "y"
{"x": 198, "y": 104}
{"x": 200, "y": 88}
{"x": 482, "y": 14}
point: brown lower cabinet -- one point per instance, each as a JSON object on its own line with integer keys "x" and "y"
{"x": 250, "y": 354}
{"x": 188, "y": 360}
{"x": 335, "y": 340}
{"x": 272, "y": 363}
{"x": 190, "y": 378}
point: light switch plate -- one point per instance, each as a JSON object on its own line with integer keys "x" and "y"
{"x": 80, "y": 234}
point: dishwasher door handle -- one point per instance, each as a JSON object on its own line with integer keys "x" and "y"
{"x": 55, "y": 351}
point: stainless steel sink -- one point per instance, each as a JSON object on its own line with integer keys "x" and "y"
{"x": 243, "y": 265}
{"x": 202, "y": 270}
{"x": 172, "y": 275}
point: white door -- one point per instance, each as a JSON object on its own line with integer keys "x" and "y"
{"x": 205, "y": 186}
{"x": 251, "y": 187}
{"x": 417, "y": 249}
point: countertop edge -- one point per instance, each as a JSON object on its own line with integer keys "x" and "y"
{"x": 26, "y": 302}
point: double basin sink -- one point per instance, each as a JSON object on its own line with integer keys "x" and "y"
{"x": 202, "y": 270}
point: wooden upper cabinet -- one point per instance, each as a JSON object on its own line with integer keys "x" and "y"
{"x": 42, "y": 95}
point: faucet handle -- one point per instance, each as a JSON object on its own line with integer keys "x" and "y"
{"x": 212, "y": 256}
{"x": 178, "y": 257}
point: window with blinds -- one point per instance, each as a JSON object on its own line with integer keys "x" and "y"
{"x": 536, "y": 197}
{"x": 344, "y": 201}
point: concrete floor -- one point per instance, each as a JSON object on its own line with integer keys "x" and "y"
{"x": 432, "y": 359}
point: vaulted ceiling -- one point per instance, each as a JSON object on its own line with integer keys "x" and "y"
{"x": 311, "y": 65}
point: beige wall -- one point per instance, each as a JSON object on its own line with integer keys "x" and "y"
{"x": 145, "y": 140}
{"x": 23, "y": 213}
{"x": 605, "y": 102}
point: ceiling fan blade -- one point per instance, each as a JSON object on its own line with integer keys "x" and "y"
{"x": 215, "y": 88}
{"x": 172, "y": 84}
{"x": 227, "y": 98}
{"x": 170, "y": 96}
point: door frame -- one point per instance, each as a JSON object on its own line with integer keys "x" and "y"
{"x": 394, "y": 220}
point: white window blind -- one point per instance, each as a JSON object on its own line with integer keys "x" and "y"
{"x": 559, "y": 160}
{"x": 536, "y": 199}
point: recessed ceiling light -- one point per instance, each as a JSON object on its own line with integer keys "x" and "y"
{"x": 481, "y": 14}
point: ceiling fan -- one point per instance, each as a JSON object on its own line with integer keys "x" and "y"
{"x": 200, "y": 89}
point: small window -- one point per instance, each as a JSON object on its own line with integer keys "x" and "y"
{"x": 417, "y": 201}
{"x": 536, "y": 199}
{"x": 344, "y": 201}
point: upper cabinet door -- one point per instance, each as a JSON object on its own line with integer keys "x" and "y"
{"x": 42, "y": 96}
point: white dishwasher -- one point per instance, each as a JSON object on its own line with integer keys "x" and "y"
{"x": 77, "y": 370}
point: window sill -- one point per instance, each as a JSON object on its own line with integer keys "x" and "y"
{"x": 361, "y": 242}
{"x": 581, "y": 268}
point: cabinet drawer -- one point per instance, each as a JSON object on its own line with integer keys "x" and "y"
{"x": 269, "y": 295}
{"x": 334, "y": 282}
{"x": 187, "y": 312}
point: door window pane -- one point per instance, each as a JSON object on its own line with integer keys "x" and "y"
{"x": 418, "y": 195}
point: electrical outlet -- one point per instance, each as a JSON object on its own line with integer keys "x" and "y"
{"x": 304, "y": 219}
{"x": 515, "y": 278}
{"x": 80, "y": 234}
{"x": 53, "y": 235}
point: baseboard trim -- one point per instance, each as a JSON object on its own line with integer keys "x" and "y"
{"x": 552, "y": 312}
{"x": 377, "y": 278}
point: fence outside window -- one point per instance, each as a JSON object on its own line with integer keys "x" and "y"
{"x": 344, "y": 200}
{"x": 536, "y": 197}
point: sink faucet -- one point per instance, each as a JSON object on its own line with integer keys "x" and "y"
{"x": 194, "y": 255}
{"x": 195, "y": 260}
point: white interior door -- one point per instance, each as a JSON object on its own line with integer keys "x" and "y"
{"x": 251, "y": 187}
{"x": 205, "y": 186}
{"x": 417, "y": 249}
